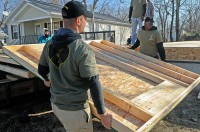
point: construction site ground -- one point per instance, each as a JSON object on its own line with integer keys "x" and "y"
{"x": 32, "y": 113}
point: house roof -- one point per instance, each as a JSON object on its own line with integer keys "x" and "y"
{"x": 49, "y": 7}
{"x": 54, "y": 10}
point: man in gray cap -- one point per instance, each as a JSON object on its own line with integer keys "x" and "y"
{"x": 71, "y": 65}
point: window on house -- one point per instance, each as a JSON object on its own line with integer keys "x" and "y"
{"x": 55, "y": 26}
{"x": 14, "y": 30}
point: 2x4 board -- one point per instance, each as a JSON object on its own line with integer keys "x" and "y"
{"x": 138, "y": 90}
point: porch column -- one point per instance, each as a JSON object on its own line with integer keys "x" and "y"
{"x": 19, "y": 32}
{"x": 51, "y": 23}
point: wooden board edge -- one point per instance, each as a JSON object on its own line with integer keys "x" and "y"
{"x": 126, "y": 105}
{"x": 17, "y": 71}
{"x": 26, "y": 63}
{"x": 116, "y": 123}
{"x": 159, "y": 116}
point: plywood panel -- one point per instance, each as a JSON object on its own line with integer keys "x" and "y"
{"x": 124, "y": 83}
{"x": 183, "y": 51}
{"x": 183, "y": 54}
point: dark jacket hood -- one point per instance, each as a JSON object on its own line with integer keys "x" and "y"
{"x": 64, "y": 37}
{"x": 59, "y": 50}
{"x": 153, "y": 28}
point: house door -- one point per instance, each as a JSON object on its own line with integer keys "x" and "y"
{"x": 37, "y": 29}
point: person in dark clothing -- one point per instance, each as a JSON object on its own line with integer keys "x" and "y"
{"x": 71, "y": 65}
{"x": 150, "y": 41}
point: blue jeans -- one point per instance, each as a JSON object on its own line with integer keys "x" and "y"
{"x": 134, "y": 23}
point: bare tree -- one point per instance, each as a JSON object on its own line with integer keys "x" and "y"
{"x": 172, "y": 20}
{"x": 7, "y": 5}
{"x": 162, "y": 8}
{"x": 177, "y": 19}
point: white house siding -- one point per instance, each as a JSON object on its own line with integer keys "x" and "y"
{"x": 30, "y": 13}
{"x": 29, "y": 28}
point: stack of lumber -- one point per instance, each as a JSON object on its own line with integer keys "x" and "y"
{"x": 138, "y": 90}
{"x": 11, "y": 67}
{"x": 15, "y": 80}
{"x": 183, "y": 51}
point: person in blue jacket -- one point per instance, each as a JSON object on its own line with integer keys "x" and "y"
{"x": 45, "y": 37}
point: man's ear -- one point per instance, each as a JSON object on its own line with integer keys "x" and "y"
{"x": 78, "y": 21}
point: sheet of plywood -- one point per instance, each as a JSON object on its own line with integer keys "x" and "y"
{"x": 125, "y": 84}
{"x": 183, "y": 51}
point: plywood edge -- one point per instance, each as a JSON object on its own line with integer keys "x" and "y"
{"x": 117, "y": 124}
{"x": 126, "y": 105}
{"x": 160, "y": 115}
{"x": 161, "y": 63}
{"x": 16, "y": 71}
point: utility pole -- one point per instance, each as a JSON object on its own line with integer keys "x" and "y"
{"x": 177, "y": 19}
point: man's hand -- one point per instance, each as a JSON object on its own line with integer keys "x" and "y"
{"x": 129, "y": 20}
{"x": 106, "y": 120}
{"x": 47, "y": 83}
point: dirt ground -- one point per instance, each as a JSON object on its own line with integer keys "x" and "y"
{"x": 26, "y": 114}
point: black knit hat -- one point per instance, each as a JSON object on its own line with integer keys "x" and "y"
{"x": 74, "y": 9}
{"x": 148, "y": 19}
